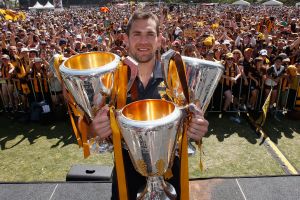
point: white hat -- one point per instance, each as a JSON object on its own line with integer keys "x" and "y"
{"x": 78, "y": 37}
{"x": 37, "y": 59}
{"x": 263, "y": 52}
{"x": 226, "y": 42}
{"x": 177, "y": 30}
{"x": 5, "y": 56}
{"x": 24, "y": 49}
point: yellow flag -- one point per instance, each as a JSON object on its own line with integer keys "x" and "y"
{"x": 22, "y": 16}
{"x": 12, "y": 15}
{"x": 215, "y": 26}
{"x": 2, "y": 11}
{"x": 8, "y": 17}
{"x": 262, "y": 118}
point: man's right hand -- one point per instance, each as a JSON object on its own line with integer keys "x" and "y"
{"x": 100, "y": 125}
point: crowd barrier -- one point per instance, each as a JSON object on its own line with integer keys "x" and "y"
{"x": 14, "y": 97}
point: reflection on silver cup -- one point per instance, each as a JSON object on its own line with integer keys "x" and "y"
{"x": 202, "y": 78}
{"x": 89, "y": 77}
{"x": 149, "y": 128}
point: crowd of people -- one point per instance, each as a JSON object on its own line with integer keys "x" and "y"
{"x": 258, "y": 46}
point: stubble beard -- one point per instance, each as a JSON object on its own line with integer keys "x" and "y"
{"x": 144, "y": 58}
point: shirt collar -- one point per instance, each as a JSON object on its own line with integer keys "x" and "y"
{"x": 157, "y": 72}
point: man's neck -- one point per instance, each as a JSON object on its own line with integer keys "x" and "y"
{"x": 145, "y": 71}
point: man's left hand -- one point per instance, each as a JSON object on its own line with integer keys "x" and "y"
{"x": 198, "y": 126}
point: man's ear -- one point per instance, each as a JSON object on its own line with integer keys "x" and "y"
{"x": 159, "y": 40}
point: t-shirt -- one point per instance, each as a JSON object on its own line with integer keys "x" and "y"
{"x": 274, "y": 73}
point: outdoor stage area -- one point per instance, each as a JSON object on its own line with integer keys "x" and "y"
{"x": 256, "y": 188}
{"x": 239, "y": 163}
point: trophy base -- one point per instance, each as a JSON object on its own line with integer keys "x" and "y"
{"x": 157, "y": 189}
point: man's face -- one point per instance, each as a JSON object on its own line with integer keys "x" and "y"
{"x": 13, "y": 50}
{"x": 248, "y": 54}
{"x": 22, "y": 34}
{"x": 280, "y": 44}
{"x": 298, "y": 67}
{"x": 246, "y": 39}
{"x": 5, "y": 61}
{"x": 143, "y": 40}
{"x": 24, "y": 54}
{"x": 278, "y": 62}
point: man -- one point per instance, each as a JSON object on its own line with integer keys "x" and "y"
{"x": 142, "y": 38}
{"x": 272, "y": 79}
{"x": 7, "y": 87}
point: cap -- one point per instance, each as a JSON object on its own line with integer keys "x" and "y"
{"x": 210, "y": 52}
{"x": 263, "y": 52}
{"x": 257, "y": 59}
{"x": 43, "y": 42}
{"x": 62, "y": 41}
{"x": 37, "y": 59}
{"x": 33, "y": 50}
{"x": 24, "y": 50}
{"x": 278, "y": 58}
{"x": 248, "y": 49}
{"x": 78, "y": 37}
{"x": 226, "y": 42}
{"x": 286, "y": 60}
{"x": 177, "y": 30}
{"x": 283, "y": 55}
{"x": 229, "y": 55}
{"x": 5, "y": 56}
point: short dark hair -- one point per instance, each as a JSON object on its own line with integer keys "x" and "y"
{"x": 142, "y": 15}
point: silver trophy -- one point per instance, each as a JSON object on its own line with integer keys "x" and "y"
{"x": 89, "y": 77}
{"x": 202, "y": 78}
{"x": 149, "y": 128}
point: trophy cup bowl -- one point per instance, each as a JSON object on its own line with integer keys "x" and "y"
{"x": 149, "y": 128}
{"x": 202, "y": 78}
{"x": 89, "y": 77}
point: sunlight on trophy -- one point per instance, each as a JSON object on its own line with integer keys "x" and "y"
{"x": 89, "y": 78}
{"x": 149, "y": 128}
{"x": 202, "y": 78}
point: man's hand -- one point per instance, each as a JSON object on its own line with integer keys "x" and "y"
{"x": 198, "y": 126}
{"x": 100, "y": 125}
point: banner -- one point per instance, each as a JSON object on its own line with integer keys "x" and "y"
{"x": 262, "y": 118}
{"x": 12, "y": 15}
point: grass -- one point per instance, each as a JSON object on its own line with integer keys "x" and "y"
{"x": 34, "y": 152}
{"x": 232, "y": 149}
{"x": 286, "y": 135}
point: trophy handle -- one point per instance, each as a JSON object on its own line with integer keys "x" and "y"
{"x": 133, "y": 65}
{"x": 54, "y": 64}
{"x": 180, "y": 69}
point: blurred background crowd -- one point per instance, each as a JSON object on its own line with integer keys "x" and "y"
{"x": 258, "y": 46}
